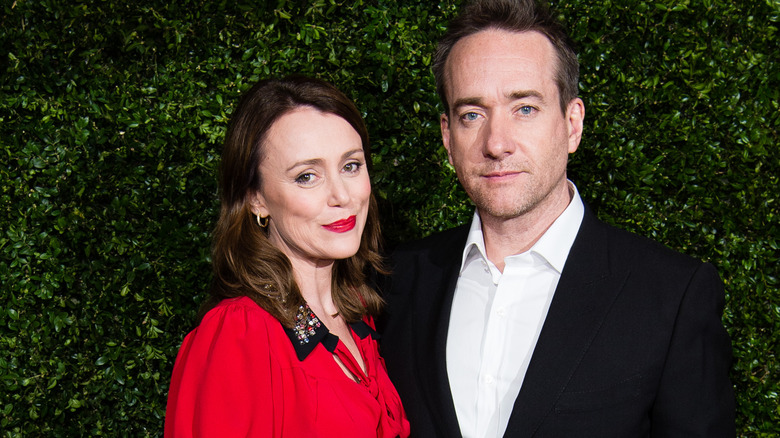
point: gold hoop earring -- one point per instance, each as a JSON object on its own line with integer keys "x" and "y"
{"x": 263, "y": 221}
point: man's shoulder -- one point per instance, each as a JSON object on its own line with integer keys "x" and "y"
{"x": 446, "y": 240}
{"x": 635, "y": 248}
{"x": 438, "y": 252}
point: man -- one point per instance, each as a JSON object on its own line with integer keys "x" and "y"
{"x": 537, "y": 319}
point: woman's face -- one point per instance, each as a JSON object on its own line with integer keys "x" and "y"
{"x": 315, "y": 187}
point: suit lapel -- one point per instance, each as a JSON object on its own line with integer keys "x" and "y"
{"x": 431, "y": 316}
{"x": 584, "y": 295}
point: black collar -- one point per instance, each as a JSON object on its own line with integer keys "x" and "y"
{"x": 303, "y": 347}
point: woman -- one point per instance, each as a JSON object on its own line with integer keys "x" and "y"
{"x": 286, "y": 347}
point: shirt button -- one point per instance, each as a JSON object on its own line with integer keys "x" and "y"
{"x": 489, "y": 379}
{"x": 501, "y": 312}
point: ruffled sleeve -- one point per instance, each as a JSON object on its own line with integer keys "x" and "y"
{"x": 225, "y": 382}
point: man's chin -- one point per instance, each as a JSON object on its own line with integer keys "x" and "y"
{"x": 501, "y": 209}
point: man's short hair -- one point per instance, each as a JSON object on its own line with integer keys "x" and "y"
{"x": 513, "y": 16}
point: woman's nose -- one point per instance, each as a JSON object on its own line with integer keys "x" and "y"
{"x": 339, "y": 192}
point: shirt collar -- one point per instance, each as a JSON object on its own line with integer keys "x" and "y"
{"x": 305, "y": 336}
{"x": 553, "y": 246}
{"x": 475, "y": 243}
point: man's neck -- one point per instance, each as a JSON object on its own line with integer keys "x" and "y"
{"x": 509, "y": 236}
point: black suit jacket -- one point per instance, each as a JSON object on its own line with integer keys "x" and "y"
{"x": 632, "y": 346}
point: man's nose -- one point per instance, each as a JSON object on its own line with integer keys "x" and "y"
{"x": 498, "y": 139}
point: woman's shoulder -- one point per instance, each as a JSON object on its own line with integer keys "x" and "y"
{"x": 223, "y": 368}
{"x": 239, "y": 316}
{"x": 236, "y": 307}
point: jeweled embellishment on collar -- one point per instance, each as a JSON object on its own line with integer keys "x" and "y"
{"x": 306, "y": 324}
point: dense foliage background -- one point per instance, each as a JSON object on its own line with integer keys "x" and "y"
{"x": 111, "y": 119}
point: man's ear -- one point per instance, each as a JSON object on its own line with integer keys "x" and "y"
{"x": 444, "y": 124}
{"x": 575, "y": 115}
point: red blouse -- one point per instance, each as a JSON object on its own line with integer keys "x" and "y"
{"x": 240, "y": 373}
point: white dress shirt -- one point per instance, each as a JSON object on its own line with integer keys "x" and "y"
{"x": 496, "y": 319}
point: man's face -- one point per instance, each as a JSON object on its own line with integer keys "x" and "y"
{"x": 505, "y": 134}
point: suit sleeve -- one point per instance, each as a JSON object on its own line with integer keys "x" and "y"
{"x": 696, "y": 397}
{"x": 223, "y": 379}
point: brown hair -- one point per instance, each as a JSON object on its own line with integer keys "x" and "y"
{"x": 513, "y": 16}
{"x": 245, "y": 262}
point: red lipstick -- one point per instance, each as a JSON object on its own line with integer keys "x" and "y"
{"x": 342, "y": 226}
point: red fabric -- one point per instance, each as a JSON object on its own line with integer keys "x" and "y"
{"x": 237, "y": 375}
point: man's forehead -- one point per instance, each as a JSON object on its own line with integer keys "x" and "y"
{"x": 505, "y": 63}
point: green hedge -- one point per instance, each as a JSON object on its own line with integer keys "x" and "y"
{"x": 112, "y": 114}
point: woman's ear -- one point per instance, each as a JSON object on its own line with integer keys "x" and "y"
{"x": 258, "y": 205}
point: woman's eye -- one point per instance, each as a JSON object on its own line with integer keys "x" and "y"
{"x": 353, "y": 167}
{"x": 304, "y": 178}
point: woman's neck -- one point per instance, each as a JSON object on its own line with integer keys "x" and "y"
{"x": 314, "y": 280}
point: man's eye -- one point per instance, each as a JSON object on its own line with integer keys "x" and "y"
{"x": 470, "y": 117}
{"x": 527, "y": 110}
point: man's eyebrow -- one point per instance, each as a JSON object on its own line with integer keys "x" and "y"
{"x": 522, "y": 94}
{"x": 467, "y": 101}
{"x": 514, "y": 95}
